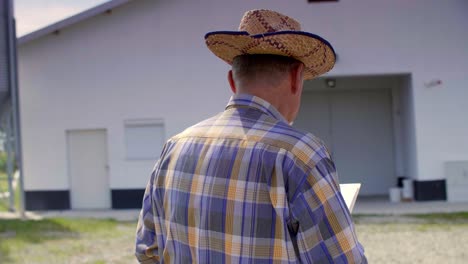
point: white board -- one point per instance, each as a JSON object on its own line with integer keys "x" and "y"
{"x": 350, "y": 191}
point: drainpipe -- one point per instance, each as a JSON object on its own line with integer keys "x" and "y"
{"x": 15, "y": 101}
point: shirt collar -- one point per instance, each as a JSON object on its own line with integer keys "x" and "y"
{"x": 255, "y": 102}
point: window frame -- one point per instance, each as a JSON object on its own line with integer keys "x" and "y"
{"x": 135, "y": 123}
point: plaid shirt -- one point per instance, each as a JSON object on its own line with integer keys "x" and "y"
{"x": 245, "y": 187}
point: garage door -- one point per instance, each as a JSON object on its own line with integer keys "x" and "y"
{"x": 357, "y": 127}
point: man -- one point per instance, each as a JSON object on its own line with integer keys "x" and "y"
{"x": 244, "y": 186}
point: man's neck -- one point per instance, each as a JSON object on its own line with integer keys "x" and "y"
{"x": 279, "y": 100}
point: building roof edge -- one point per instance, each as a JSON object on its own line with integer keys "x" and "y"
{"x": 89, "y": 13}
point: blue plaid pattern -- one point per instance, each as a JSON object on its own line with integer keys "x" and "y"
{"x": 245, "y": 187}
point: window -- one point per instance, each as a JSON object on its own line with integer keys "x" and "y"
{"x": 144, "y": 139}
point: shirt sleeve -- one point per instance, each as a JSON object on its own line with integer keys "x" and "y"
{"x": 146, "y": 250}
{"x": 324, "y": 229}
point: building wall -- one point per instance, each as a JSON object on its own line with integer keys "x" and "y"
{"x": 147, "y": 59}
{"x": 98, "y": 74}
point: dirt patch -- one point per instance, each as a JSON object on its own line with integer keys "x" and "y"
{"x": 393, "y": 239}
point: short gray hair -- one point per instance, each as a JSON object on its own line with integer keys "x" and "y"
{"x": 259, "y": 66}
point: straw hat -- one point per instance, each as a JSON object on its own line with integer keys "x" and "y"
{"x": 269, "y": 32}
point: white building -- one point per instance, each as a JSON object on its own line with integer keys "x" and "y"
{"x": 101, "y": 91}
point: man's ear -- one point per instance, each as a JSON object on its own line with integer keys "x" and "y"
{"x": 231, "y": 82}
{"x": 297, "y": 79}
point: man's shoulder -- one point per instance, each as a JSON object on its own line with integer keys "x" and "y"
{"x": 302, "y": 144}
{"x": 269, "y": 132}
{"x": 197, "y": 129}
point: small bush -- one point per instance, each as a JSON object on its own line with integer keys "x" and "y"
{"x": 3, "y": 162}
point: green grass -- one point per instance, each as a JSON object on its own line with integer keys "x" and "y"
{"x": 58, "y": 240}
{"x": 3, "y": 188}
{"x": 434, "y": 217}
{"x": 453, "y": 217}
{"x": 34, "y": 229}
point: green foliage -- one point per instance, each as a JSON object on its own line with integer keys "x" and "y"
{"x": 3, "y": 162}
{"x": 4, "y": 203}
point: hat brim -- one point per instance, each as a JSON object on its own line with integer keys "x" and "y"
{"x": 316, "y": 53}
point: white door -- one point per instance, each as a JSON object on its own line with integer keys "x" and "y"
{"x": 357, "y": 128}
{"x": 87, "y": 154}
